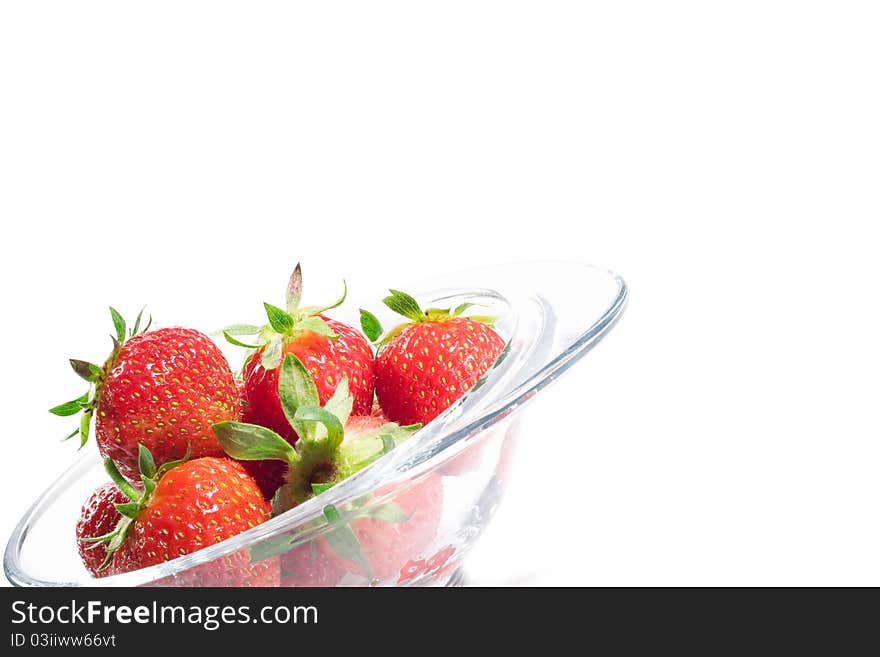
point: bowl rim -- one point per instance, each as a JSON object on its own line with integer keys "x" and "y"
{"x": 449, "y": 429}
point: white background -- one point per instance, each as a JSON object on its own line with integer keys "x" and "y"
{"x": 723, "y": 157}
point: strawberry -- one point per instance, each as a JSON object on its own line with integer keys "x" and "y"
{"x": 397, "y": 531}
{"x": 162, "y": 388}
{"x": 97, "y": 518}
{"x": 425, "y": 365}
{"x": 370, "y": 540}
{"x": 333, "y": 444}
{"x": 329, "y": 349}
{"x": 185, "y": 506}
{"x": 327, "y": 361}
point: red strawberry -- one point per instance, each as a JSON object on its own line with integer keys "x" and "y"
{"x": 269, "y": 474}
{"x": 426, "y": 365}
{"x": 387, "y": 543}
{"x": 194, "y": 504}
{"x": 332, "y": 445}
{"x": 317, "y": 564}
{"x": 375, "y": 541}
{"x": 329, "y": 349}
{"x": 98, "y": 518}
{"x": 163, "y": 388}
{"x": 326, "y": 359}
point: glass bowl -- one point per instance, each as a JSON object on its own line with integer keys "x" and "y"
{"x": 409, "y": 518}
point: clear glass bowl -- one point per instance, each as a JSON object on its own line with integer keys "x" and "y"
{"x": 409, "y": 518}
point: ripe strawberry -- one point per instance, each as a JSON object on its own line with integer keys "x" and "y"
{"x": 333, "y": 444}
{"x": 426, "y": 365}
{"x": 375, "y": 541}
{"x": 404, "y": 526}
{"x": 162, "y": 388}
{"x": 184, "y": 507}
{"x": 329, "y": 349}
{"x": 327, "y": 361}
{"x": 98, "y": 518}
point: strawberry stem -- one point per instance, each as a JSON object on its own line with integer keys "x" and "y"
{"x": 121, "y": 482}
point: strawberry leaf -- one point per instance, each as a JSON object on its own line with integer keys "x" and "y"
{"x": 86, "y": 370}
{"x": 238, "y": 343}
{"x": 344, "y": 542}
{"x": 311, "y": 311}
{"x": 341, "y": 403}
{"x": 393, "y": 333}
{"x": 129, "y": 509}
{"x": 85, "y": 422}
{"x": 137, "y": 322}
{"x": 280, "y": 321}
{"x": 485, "y": 319}
{"x": 293, "y": 295}
{"x": 277, "y": 545}
{"x": 295, "y": 389}
{"x": 358, "y": 454}
{"x": 72, "y": 407}
{"x": 283, "y": 500}
{"x": 272, "y": 353}
{"x": 250, "y": 442}
{"x": 146, "y": 464}
{"x": 241, "y": 329}
{"x": 121, "y": 482}
{"x": 404, "y": 304}
{"x": 370, "y": 325}
{"x": 317, "y": 325}
{"x": 97, "y": 539}
{"x": 170, "y": 465}
{"x": 390, "y": 512}
{"x": 331, "y": 513}
{"x": 326, "y": 418}
{"x": 149, "y": 485}
{"x": 118, "y": 324}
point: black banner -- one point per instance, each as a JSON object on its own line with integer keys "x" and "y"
{"x": 100, "y": 620}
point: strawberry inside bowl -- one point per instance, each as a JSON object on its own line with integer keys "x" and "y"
{"x": 411, "y": 516}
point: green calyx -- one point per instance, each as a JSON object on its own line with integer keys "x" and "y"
{"x": 94, "y": 375}
{"x": 320, "y": 458}
{"x": 406, "y": 305}
{"x": 138, "y": 498}
{"x": 283, "y": 323}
